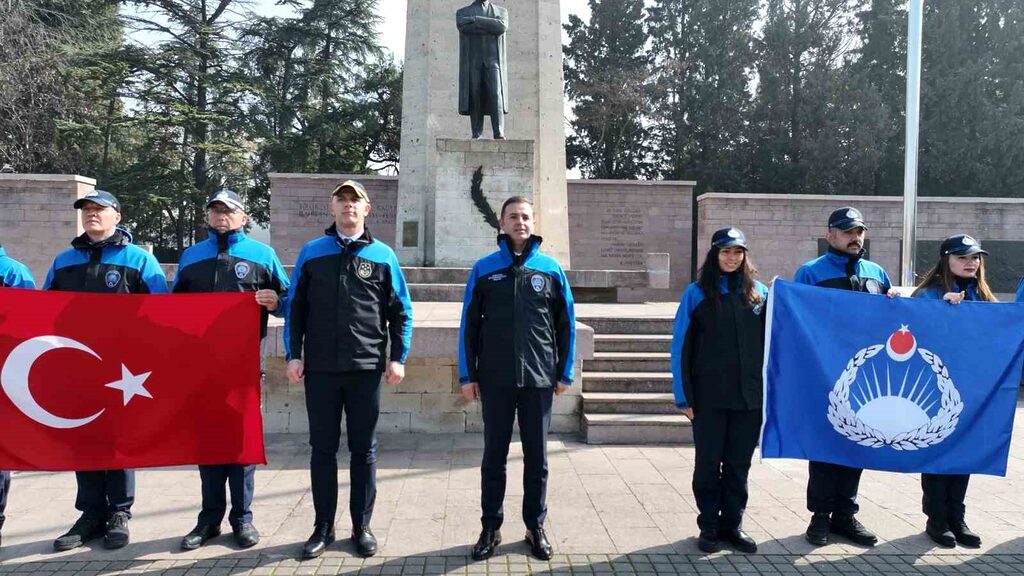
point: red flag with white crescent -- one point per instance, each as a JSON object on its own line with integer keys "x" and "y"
{"x": 111, "y": 381}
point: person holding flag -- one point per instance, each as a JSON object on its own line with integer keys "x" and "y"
{"x": 832, "y": 488}
{"x": 958, "y": 276}
{"x": 717, "y": 355}
{"x": 230, "y": 261}
{"x": 13, "y": 274}
{"x": 103, "y": 260}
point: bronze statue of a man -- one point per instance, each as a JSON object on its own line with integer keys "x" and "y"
{"x": 483, "y": 66}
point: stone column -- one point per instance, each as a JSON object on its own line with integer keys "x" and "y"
{"x": 430, "y": 112}
{"x": 37, "y": 220}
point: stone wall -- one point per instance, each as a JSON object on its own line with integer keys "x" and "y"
{"x": 37, "y": 220}
{"x": 783, "y": 230}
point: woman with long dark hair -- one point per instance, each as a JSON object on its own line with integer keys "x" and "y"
{"x": 717, "y": 354}
{"x": 958, "y": 276}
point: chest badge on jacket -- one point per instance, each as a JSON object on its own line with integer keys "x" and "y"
{"x": 364, "y": 270}
{"x": 242, "y": 270}
{"x": 537, "y": 281}
{"x": 112, "y": 278}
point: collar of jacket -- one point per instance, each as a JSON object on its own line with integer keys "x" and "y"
{"x": 729, "y": 282}
{"x": 505, "y": 247}
{"x": 120, "y": 237}
{"x": 229, "y": 238}
{"x": 968, "y": 285}
{"x": 365, "y": 240}
{"x": 844, "y": 259}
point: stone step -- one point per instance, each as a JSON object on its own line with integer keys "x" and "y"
{"x": 629, "y": 362}
{"x": 628, "y": 403}
{"x": 617, "y": 325}
{"x": 632, "y": 342}
{"x": 422, "y": 275}
{"x": 627, "y": 381}
{"x": 437, "y": 292}
{"x": 637, "y": 429}
{"x": 577, "y": 278}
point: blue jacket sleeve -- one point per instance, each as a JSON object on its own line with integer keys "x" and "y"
{"x": 803, "y": 276}
{"x": 281, "y": 284}
{"x": 1020, "y": 291}
{"x": 20, "y": 277}
{"x": 692, "y": 296}
{"x": 153, "y": 275}
{"x": 565, "y": 331}
{"x": 295, "y": 311}
{"x": 399, "y": 314}
{"x": 48, "y": 283}
{"x": 469, "y": 330}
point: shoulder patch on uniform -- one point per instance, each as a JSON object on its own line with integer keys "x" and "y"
{"x": 112, "y": 278}
{"x": 242, "y": 269}
{"x": 365, "y": 269}
{"x": 537, "y": 281}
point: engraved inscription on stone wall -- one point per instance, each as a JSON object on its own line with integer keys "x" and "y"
{"x": 622, "y": 237}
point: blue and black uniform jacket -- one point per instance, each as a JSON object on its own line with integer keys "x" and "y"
{"x": 344, "y": 303}
{"x": 518, "y": 324}
{"x": 837, "y": 269}
{"x": 114, "y": 266}
{"x": 233, "y": 262}
{"x": 969, "y": 286}
{"x": 14, "y": 274}
{"x": 718, "y": 349}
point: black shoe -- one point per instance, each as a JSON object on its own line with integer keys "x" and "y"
{"x": 539, "y": 545}
{"x": 708, "y": 542}
{"x": 739, "y": 539}
{"x": 199, "y": 535}
{"x": 246, "y": 535}
{"x": 87, "y": 527}
{"x": 117, "y": 531}
{"x": 817, "y": 530}
{"x": 964, "y": 535}
{"x": 848, "y": 526}
{"x": 486, "y": 544}
{"x": 322, "y": 537}
{"x": 940, "y": 533}
{"x": 365, "y": 541}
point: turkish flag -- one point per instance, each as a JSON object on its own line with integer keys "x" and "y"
{"x": 111, "y": 381}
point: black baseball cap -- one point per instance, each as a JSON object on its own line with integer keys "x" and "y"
{"x": 227, "y": 197}
{"x": 960, "y": 245}
{"x": 101, "y": 197}
{"x": 846, "y": 218}
{"x": 729, "y": 237}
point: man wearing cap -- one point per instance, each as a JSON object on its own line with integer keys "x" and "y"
{"x": 347, "y": 299}
{"x": 13, "y": 274}
{"x": 832, "y": 488}
{"x": 103, "y": 260}
{"x": 517, "y": 344}
{"x": 229, "y": 261}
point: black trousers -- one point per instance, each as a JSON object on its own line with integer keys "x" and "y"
{"x": 5, "y": 488}
{"x": 240, "y": 479}
{"x": 499, "y": 406}
{"x": 944, "y": 494}
{"x": 832, "y": 488}
{"x": 724, "y": 442}
{"x": 357, "y": 395}
{"x": 104, "y": 492}
{"x": 485, "y": 92}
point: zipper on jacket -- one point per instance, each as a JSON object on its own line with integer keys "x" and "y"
{"x": 516, "y": 274}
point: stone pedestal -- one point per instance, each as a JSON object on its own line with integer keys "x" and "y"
{"x": 471, "y": 181}
{"x": 430, "y": 112}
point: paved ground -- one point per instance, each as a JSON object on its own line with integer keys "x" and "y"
{"x": 622, "y": 509}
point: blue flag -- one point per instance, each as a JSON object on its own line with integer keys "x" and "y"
{"x": 905, "y": 385}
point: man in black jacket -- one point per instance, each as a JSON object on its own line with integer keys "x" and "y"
{"x": 517, "y": 343}
{"x": 230, "y": 261}
{"x": 347, "y": 299}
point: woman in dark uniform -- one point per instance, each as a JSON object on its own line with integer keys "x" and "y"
{"x": 958, "y": 276}
{"x": 717, "y": 356}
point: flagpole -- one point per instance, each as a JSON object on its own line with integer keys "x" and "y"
{"x": 914, "y": 30}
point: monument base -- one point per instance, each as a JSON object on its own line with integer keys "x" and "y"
{"x": 472, "y": 179}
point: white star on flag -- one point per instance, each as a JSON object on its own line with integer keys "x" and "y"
{"x": 131, "y": 384}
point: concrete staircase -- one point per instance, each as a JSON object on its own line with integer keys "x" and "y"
{"x": 627, "y": 387}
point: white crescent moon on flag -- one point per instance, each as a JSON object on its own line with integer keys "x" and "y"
{"x": 14, "y": 378}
